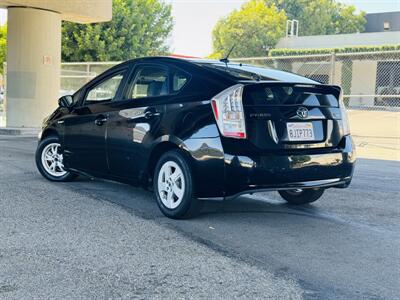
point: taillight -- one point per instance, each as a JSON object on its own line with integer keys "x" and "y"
{"x": 345, "y": 119}
{"x": 228, "y": 112}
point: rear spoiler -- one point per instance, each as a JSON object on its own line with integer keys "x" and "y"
{"x": 308, "y": 87}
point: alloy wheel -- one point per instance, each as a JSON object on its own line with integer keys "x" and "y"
{"x": 171, "y": 184}
{"x": 52, "y": 160}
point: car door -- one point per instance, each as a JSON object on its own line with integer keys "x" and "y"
{"x": 85, "y": 127}
{"x": 136, "y": 123}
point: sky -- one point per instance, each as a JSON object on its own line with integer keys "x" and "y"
{"x": 195, "y": 19}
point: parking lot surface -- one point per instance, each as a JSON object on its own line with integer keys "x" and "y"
{"x": 100, "y": 239}
{"x": 376, "y": 133}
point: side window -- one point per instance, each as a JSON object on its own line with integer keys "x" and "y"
{"x": 179, "y": 79}
{"x": 106, "y": 90}
{"x": 150, "y": 81}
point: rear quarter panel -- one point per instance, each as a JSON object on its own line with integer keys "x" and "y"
{"x": 192, "y": 123}
{"x": 189, "y": 122}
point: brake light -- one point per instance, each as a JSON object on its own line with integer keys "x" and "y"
{"x": 228, "y": 112}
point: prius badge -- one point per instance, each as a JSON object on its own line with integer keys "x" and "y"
{"x": 302, "y": 113}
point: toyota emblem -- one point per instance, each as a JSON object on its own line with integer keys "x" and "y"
{"x": 302, "y": 112}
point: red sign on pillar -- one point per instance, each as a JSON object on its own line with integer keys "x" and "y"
{"x": 47, "y": 60}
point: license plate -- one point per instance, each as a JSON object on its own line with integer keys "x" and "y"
{"x": 300, "y": 131}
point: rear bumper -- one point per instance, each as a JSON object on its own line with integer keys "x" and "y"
{"x": 328, "y": 183}
{"x": 220, "y": 175}
{"x": 245, "y": 174}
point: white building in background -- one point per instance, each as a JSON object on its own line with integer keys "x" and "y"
{"x": 380, "y": 29}
{"x": 34, "y": 53}
{"x": 369, "y": 75}
{"x": 341, "y": 40}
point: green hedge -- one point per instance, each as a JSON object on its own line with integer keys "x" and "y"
{"x": 355, "y": 49}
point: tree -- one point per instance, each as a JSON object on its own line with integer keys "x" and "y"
{"x": 138, "y": 28}
{"x": 3, "y": 46}
{"x": 320, "y": 17}
{"x": 347, "y": 21}
{"x": 251, "y": 30}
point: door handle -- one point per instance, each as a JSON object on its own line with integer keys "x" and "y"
{"x": 151, "y": 113}
{"x": 100, "y": 120}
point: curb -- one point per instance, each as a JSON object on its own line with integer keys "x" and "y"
{"x": 19, "y": 131}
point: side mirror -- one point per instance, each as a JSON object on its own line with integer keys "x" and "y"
{"x": 65, "y": 101}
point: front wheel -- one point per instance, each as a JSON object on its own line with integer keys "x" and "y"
{"x": 173, "y": 186}
{"x": 299, "y": 196}
{"x": 49, "y": 160}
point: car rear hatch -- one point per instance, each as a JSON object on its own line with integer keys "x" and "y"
{"x": 292, "y": 116}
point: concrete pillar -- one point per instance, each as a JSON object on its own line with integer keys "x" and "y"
{"x": 33, "y": 65}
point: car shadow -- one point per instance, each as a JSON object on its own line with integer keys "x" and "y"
{"x": 142, "y": 202}
{"x": 261, "y": 204}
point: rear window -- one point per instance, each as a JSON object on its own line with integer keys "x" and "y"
{"x": 262, "y": 94}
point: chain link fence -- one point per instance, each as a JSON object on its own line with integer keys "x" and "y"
{"x": 370, "y": 80}
{"x": 371, "y": 87}
{"x": 370, "y": 83}
{"x": 73, "y": 76}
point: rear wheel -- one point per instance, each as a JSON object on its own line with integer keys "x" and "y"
{"x": 299, "y": 196}
{"x": 49, "y": 160}
{"x": 173, "y": 186}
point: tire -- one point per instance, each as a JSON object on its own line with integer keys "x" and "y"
{"x": 49, "y": 146}
{"x": 174, "y": 192}
{"x": 299, "y": 197}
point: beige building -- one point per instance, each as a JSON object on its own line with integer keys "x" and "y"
{"x": 34, "y": 53}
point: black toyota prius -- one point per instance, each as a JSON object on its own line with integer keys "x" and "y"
{"x": 192, "y": 130}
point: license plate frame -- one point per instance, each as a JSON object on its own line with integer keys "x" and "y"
{"x": 300, "y": 132}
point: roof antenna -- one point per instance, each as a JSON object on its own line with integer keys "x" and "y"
{"x": 226, "y": 59}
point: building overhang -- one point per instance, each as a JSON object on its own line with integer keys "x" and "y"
{"x": 79, "y": 11}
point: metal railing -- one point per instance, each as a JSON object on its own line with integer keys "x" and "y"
{"x": 370, "y": 80}
{"x": 75, "y": 75}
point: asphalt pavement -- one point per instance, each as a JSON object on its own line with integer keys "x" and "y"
{"x": 100, "y": 239}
